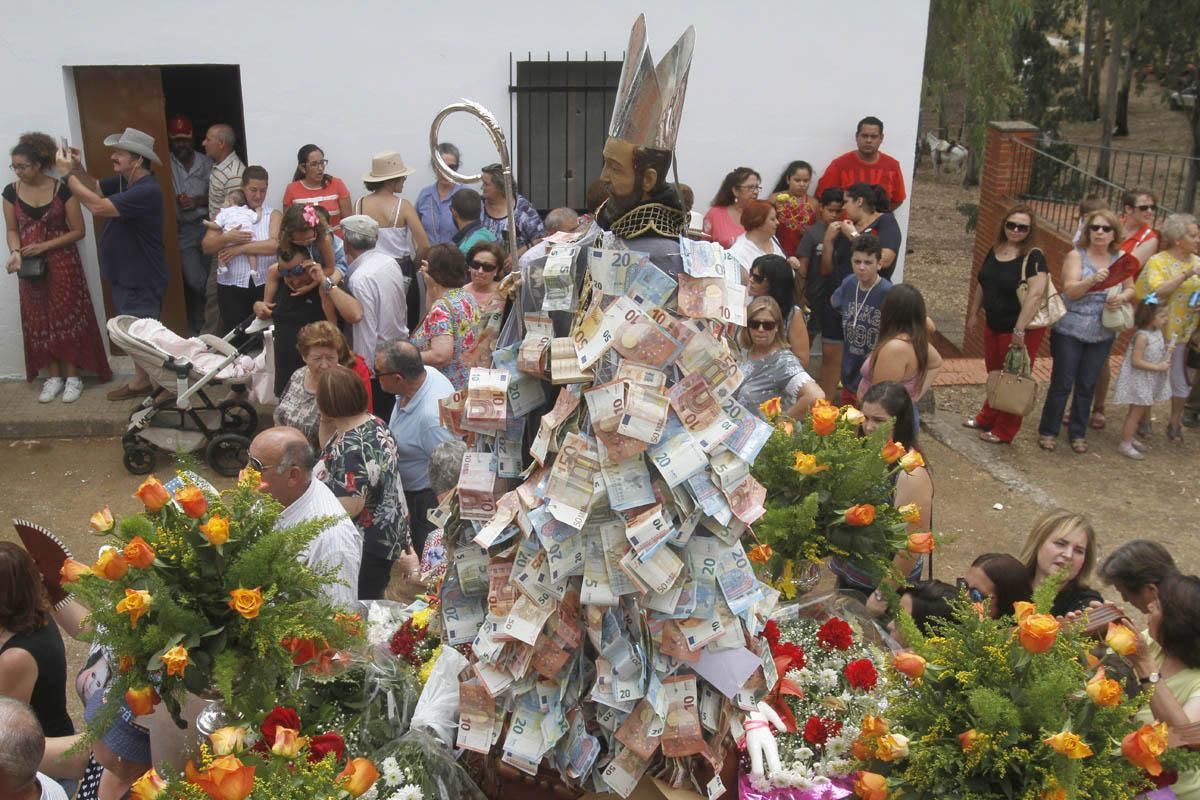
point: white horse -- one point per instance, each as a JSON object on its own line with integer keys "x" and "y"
{"x": 945, "y": 154}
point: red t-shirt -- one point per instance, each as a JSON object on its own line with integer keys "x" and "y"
{"x": 848, "y": 169}
{"x": 326, "y": 197}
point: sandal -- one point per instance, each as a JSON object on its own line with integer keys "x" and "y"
{"x": 1047, "y": 443}
{"x": 1098, "y": 420}
{"x": 1079, "y": 446}
{"x": 991, "y": 438}
{"x": 1174, "y": 432}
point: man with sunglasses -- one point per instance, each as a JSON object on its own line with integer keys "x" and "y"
{"x": 284, "y": 459}
{"x": 379, "y": 286}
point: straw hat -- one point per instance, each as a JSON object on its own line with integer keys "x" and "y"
{"x": 385, "y": 167}
{"x": 133, "y": 141}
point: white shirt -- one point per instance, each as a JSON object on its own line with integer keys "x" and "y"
{"x": 51, "y": 789}
{"x": 745, "y": 251}
{"x": 378, "y": 283}
{"x": 338, "y": 546}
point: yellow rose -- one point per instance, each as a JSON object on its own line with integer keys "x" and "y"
{"x": 102, "y": 520}
{"x": 806, "y": 464}
{"x": 911, "y": 460}
{"x": 910, "y": 513}
{"x": 136, "y": 603}
{"x": 1069, "y": 744}
{"x": 921, "y": 543}
{"x": 892, "y": 452}
{"x": 771, "y": 408}
{"x": 287, "y": 742}
{"x": 148, "y": 787}
{"x": 216, "y": 530}
{"x": 874, "y": 727}
{"x": 870, "y": 786}
{"x": 891, "y": 747}
{"x": 1022, "y": 609}
{"x": 176, "y": 660}
{"x": 1121, "y": 639}
{"x": 853, "y": 415}
{"x": 1103, "y": 691}
{"x": 1143, "y": 747}
{"x": 246, "y": 602}
{"x": 1055, "y": 792}
{"x": 227, "y": 740}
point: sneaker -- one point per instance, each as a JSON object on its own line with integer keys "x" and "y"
{"x": 73, "y": 389}
{"x": 50, "y": 389}
{"x": 1129, "y": 451}
{"x": 1139, "y": 445}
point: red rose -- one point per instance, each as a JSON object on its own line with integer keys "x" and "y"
{"x": 303, "y": 650}
{"x": 835, "y": 634}
{"x": 794, "y": 653}
{"x": 861, "y": 674}
{"x": 279, "y": 717}
{"x": 322, "y": 744}
{"x": 771, "y": 633}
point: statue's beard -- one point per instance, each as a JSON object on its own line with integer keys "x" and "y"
{"x": 618, "y": 206}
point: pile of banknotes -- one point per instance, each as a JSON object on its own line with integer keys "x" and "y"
{"x": 597, "y": 568}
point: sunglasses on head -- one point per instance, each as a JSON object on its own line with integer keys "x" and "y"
{"x": 484, "y": 266}
{"x": 1016, "y": 227}
{"x": 761, "y": 324}
{"x": 1100, "y": 228}
{"x": 973, "y": 594}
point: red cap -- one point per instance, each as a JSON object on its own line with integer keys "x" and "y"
{"x": 179, "y": 125}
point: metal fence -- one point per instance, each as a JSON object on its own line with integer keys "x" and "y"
{"x": 1165, "y": 174}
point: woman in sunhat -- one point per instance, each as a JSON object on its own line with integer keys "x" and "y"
{"x": 400, "y": 230}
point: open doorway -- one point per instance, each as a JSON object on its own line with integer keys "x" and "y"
{"x": 114, "y": 98}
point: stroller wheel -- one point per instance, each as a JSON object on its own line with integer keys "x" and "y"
{"x": 139, "y": 458}
{"x": 227, "y": 453}
{"x": 238, "y": 416}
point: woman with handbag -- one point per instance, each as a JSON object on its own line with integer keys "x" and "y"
{"x": 1009, "y": 319}
{"x": 58, "y": 321}
{"x": 1080, "y": 343}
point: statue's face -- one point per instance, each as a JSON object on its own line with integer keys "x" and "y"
{"x": 620, "y": 177}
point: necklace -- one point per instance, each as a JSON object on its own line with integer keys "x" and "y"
{"x": 858, "y": 304}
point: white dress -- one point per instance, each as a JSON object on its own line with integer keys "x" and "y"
{"x": 1142, "y": 387}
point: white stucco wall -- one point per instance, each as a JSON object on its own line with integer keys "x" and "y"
{"x": 771, "y": 81}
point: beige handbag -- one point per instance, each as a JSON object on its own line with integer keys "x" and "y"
{"x": 1013, "y": 389}
{"x": 1053, "y": 307}
{"x": 1122, "y": 318}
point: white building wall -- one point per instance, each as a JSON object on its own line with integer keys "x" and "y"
{"x": 771, "y": 81}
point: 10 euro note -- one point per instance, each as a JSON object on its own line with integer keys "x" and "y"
{"x": 477, "y": 717}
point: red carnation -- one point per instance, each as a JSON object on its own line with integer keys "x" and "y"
{"x": 322, "y": 744}
{"x": 818, "y": 730}
{"x": 771, "y": 634}
{"x": 279, "y": 717}
{"x": 861, "y": 674}
{"x": 836, "y": 633}
{"x": 794, "y": 653}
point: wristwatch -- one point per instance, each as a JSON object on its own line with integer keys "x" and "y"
{"x": 329, "y": 284}
{"x": 1150, "y": 679}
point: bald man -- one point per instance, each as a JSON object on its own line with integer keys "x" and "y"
{"x": 285, "y": 460}
{"x": 559, "y": 220}
{"x": 21, "y": 748}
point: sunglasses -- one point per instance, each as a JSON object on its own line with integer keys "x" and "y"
{"x": 1151, "y": 207}
{"x": 973, "y": 594}
{"x": 258, "y": 466}
{"x": 1016, "y": 227}
{"x": 294, "y": 272}
{"x": 761, "y": 324}
{"x": 757, "y": 277}
{"x": 484, "y": 266}
{"x": 1100, "y": 228}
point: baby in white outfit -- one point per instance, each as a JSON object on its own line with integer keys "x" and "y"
{"x": 235, "y": 216}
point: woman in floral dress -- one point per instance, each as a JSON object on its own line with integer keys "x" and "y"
{"x": 451, "y": 326}
{"x": 360, "y": 466}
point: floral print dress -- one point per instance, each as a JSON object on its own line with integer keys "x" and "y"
{"x": 455, "y": 314}
{"x": 362, "y": 462}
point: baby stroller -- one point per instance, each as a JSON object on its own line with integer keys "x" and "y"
{"x": 189, "y": 421}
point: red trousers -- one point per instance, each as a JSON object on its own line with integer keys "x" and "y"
{"x": 995, "y": 347}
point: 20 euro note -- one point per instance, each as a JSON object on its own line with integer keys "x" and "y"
{"x": 677, "y": 455}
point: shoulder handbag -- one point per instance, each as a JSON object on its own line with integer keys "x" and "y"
{"x": 1013, "y": 389}
{"x": 1052, "y": 309}
{"x": 1119, "y": 319}
{"x": 32, "y": 268}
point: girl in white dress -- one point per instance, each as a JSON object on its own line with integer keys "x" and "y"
{"x": 1143, "y": 379}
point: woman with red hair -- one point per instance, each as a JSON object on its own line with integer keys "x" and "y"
{"x": 760, "y": 220}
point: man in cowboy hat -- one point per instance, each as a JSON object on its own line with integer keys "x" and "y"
{"x": 189, "y": 178}
{"x": 131, "y": 247}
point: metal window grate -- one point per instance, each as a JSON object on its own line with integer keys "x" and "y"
{"x": 561, "y": 109}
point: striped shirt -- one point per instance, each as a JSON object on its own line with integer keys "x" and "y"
{"x": 224, "y": 176}
{"x": 239, "y": 272}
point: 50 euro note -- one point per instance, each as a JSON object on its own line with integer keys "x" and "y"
{"x": 571, "y": 477}
{"x": 645, "y": 415}
{"x": 710, "y": 357}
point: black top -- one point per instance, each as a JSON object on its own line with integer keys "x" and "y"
{"x": 998, "y": 280}
{"x": 49, "y": 698}
{"x": 888, "y": 232}
{"x": 290, "y": 315}
{"x": 131, "y": 244}
{"x": 10, "y": 194}
{"x": 1074, "y": 598}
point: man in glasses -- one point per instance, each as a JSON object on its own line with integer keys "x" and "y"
{"x": 284, "y": 459}
{"x": 866, "y": 164}
{"x": 380, "y": 287}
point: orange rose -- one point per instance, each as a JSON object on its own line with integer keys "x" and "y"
{"x": 72, "y": 571}
{"x": 1103, "y": 691}
{"x": 853, "y": 415}
{"x": 891, "y": 747}
{"x": 351, "y": 623}
{"x": 102, "y": 520}
{"x": 110, "y": 565}
{"x": 968, "y": 739}
{"x": 920, "y": 543}
{"x": 152, "y": 494}
{"x": 176, "y": 660}
{"x": 358, "y": 776}
{"x": 806, "y": 464}
{"x": 1143, "y": 747}
{"x": 771, "y": 408}
{"x": 1069, "y": 744}
{"x": 892, "y": 452}
{"x": 216, "y": 530}
{"x": 227, "y": 740}
{"x": 246, "y": 602}
{"x": 141, "y": 701}
{"x": 287, "y": 742}
{"x": 824, "y": 418}
{"x": 911, "y": 460}
{"x": 139, "y": 553}
{"x": 874, "y": 727}
{"x": 861, "y": 515}
{"x": 227, "y": 778}
{"x": 1055, "y": 792}
{"x": 124, "y": 664}
{"x": 862, "y": 749}
{"x": 1037, "y": 632}
{"x": 1121, "y": 639}
{"x": 910, "y": 513}
{"x": 148, "y": 787}
{"x": 910, "y": 664}
{"x": 870, "y": 786}
{"x": 192, "y": 501}
{"x": 136, "y": 603}
{"x": 760, "y": 553}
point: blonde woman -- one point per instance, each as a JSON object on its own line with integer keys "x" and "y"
{"x": 770, "y": 367}
{"x": 1063, "y": 542}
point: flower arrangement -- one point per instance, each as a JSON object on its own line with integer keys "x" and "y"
{"x": 274, "y": 762}
{"x": 829, "y": 690}
{"x": 201, "y": 593}
{"x": 991, "y": 711}
{"x": 415, "y": 644}
{"x": 829, "y": 492}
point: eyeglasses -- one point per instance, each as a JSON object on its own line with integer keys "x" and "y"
{"x": 482, "y": 265}
{"x": 757, "y": 277}
{"x": 1100, "y": 228}
{"x": 258, "y": 466}
{"x": 1016, "y": 227}
{"x": 973, "y": 594}
{"x": 323, "y": 162}
{"x": 19, "y": 167}
{"x": 751, "y": 187}
{"x": 1151, "y": 207}
{"x": 761, "y": 324}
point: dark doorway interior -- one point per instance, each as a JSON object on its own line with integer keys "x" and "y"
{"x": 208, "y": 94}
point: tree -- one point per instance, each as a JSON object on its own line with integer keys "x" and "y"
{"x": 1172, "y": 44}
{"x": 1112, "y": 73}
{"x": 1045, "y": 73}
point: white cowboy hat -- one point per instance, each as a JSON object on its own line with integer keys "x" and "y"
{"x": 385, "y": 167}
{"x": 134, "y": 141}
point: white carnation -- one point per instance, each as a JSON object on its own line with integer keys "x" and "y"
{"x": 409, "y": 792}
{"x": 827, "y": 679}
